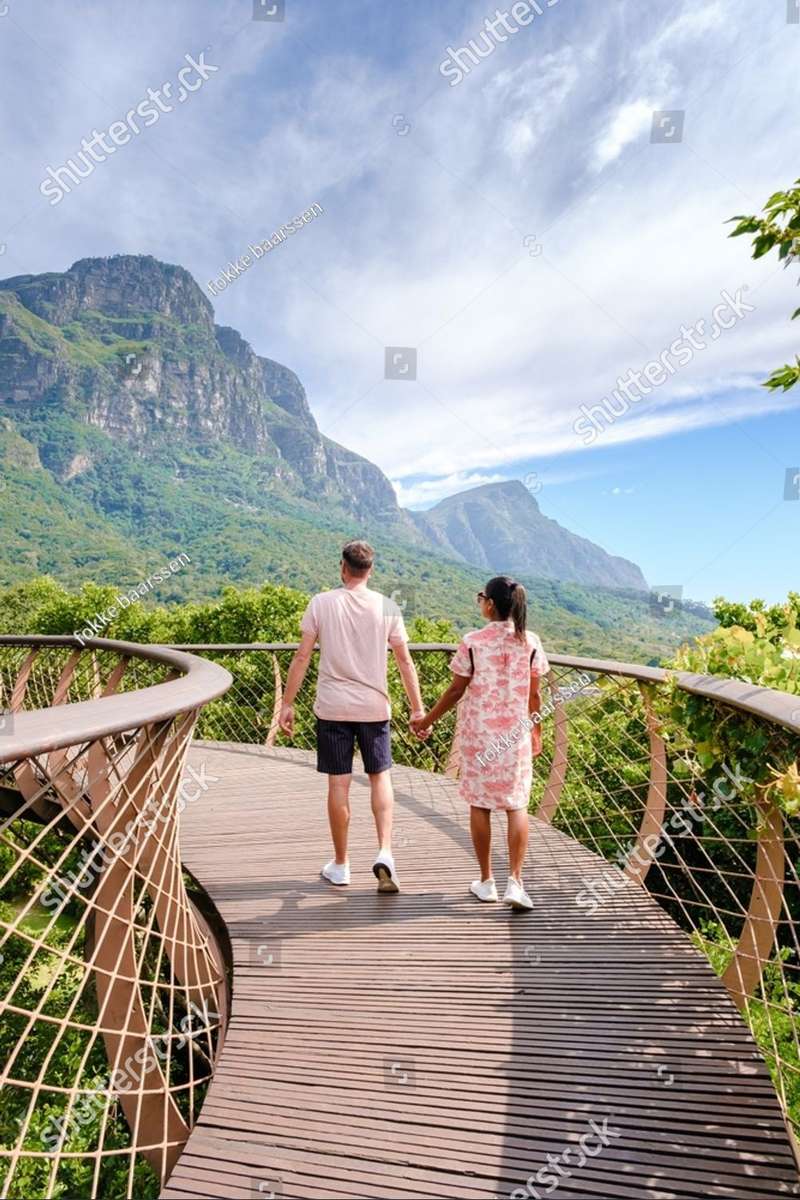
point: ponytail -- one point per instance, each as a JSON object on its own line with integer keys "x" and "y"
{"x": 511, "y": 602}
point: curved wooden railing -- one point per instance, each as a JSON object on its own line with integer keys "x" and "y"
{"x": 114, "y": 988}
{"x": 719, "y": 854}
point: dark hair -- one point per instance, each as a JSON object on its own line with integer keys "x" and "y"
{"x": 510, "y": 600}
{"x": 359, "y": 556}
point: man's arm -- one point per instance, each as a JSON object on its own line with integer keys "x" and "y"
{"x": 294, "y": 680}
{"x": 446, "y": 701}
{"x": 408, "y": 674}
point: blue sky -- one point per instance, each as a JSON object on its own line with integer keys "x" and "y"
{"x": 519, "y": 230}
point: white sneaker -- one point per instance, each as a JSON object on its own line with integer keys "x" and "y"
{"x": 484, "y": 889}
{"x": 516, "y": 896}
{"x": 336, "y": 873}
{"x": 384, "y": 872}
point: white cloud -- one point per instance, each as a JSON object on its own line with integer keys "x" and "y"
{"x": 629, "y": 122}
{"x": 427, "y": 492}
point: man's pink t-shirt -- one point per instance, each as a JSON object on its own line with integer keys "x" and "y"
{"x": 354, "y": 628}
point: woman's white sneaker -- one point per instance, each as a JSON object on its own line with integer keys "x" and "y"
{"x": 336, "y": 873}
{"x": 484, "y": 889}
{"x": 516, "y": 897}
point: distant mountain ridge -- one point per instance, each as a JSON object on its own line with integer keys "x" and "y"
{"x": 132, "y": 425}
{"x": 500, "y": 526}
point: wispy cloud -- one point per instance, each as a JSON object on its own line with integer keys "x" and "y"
{"x": 427, "y": 492}
{"x": 628, "y": 123}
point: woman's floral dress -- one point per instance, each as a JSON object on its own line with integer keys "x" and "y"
{"x": 496, "y": 764}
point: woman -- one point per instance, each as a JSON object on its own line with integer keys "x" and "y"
{"x": 497, "y": 671}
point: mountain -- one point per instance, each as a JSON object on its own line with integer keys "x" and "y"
{"x": 500, "y": 527}
{"x": 133, "y": 428}
{"x": 128, "y": 346}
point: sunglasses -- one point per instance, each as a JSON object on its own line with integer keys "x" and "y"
{"x": 480, "y": 596}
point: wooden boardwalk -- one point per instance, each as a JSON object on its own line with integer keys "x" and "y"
{"x": 424, "y": 1045}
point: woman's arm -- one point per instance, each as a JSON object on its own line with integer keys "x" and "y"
{"x": 446, "y": 701}
{"x": 535, "y": 706}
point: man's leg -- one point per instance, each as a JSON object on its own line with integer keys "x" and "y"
{"x": 339, "y": 814}
{"x": 335, "y": 741}
{"x": 518, "y": 828}
{"x": 480, "y": 826}
{"x": 382, "y": 797}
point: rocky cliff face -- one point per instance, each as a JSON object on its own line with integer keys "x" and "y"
{"x": 116, "y": 381}
{"x": 500, "y": 527}
{"x": 129, "y": 345}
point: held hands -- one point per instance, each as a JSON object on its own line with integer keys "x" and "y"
{"x": 420, "y": 726}
{"x": 286, "y": 719}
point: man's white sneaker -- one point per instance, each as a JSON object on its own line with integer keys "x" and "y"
{"x": 384, "y": 872}
{"x": 484, "y": 889}
{"x": 336, "y": 873}
{"x": 516, "y": 896}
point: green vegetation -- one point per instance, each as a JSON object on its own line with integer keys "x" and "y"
{"x": 571, "y": 619}
{"x": 778, "y": 227}
{"x": 759, "y": 646}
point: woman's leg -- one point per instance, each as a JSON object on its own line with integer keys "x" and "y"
{"x": 480, "y": 826}
{"x": 518, "y": 826}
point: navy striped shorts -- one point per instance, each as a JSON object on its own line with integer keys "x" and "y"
{"x": 336, "y": 742}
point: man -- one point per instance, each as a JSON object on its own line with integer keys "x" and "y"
{"x": 354, "y": 627}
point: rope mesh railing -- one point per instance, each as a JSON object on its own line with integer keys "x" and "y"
{"x": 114, "y": 987}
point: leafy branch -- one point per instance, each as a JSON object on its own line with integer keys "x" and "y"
{"x": 778, "y": 227}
